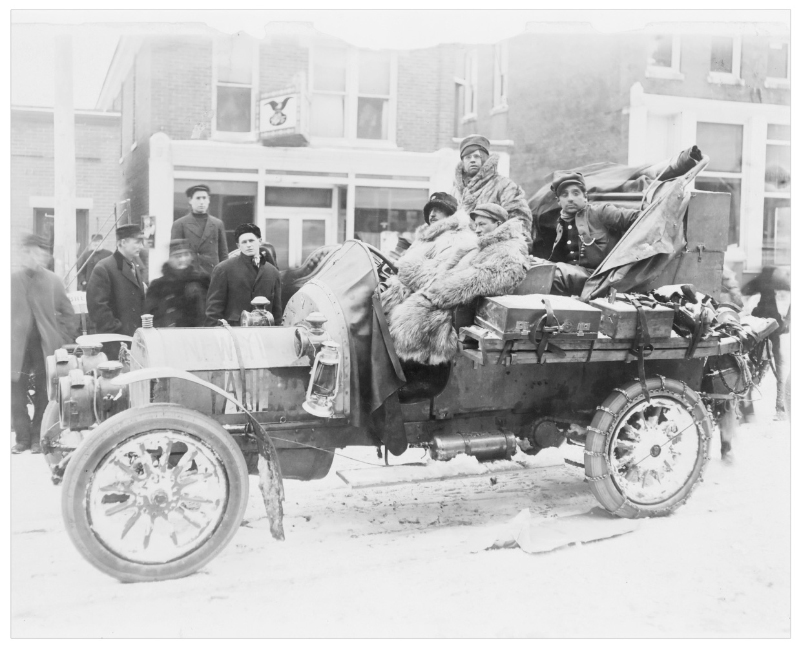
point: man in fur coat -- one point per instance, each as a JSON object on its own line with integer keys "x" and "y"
{"x": 445, "y": 232}
{"x": 422, "y": 326}
{"x": 478, "y": 181}
{"x": 178, "y": 297}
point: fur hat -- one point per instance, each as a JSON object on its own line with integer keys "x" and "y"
{"x": 473, "y": 142}
{"x": 441, "y": 200}
{"x": 178, "y": 245}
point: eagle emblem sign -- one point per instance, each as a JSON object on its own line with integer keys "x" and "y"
{"x": 278, "y": 117}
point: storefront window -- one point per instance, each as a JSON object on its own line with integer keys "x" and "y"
{"x": 776, "y": 232}
{"x": 723, "y": 143}
{"x": 382, "y": 214}
{"x": 232, "y": 201}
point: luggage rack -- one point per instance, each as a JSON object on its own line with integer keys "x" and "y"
{"x": 484, "y": 347}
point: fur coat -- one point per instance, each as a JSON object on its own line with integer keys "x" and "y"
{"x": 422, "y": 327}
{"x": 178, "y": 297}
{"x": 488, "y": 186}
{"x": 440, "y": 243}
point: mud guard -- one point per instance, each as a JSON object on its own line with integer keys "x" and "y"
{"x": 271, "y": 482}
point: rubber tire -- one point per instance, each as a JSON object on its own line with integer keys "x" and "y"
{"x": 596, "y": 467}
{"x": 114, "y": 431}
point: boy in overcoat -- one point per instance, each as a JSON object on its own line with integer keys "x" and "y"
{"x": 205, "y": 233}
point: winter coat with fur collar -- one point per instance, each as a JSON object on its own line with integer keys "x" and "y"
{"x": 436, "y": 245}
{"x": 488, "y": 186}
{"x": 422, "y": 326}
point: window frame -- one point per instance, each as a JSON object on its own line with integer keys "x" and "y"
{"x": 500, "y": 77}
{"x": 352, "y": 95}
{"x": 673, "y": 71}
{"x": 470, "y": 83}
{"x": 732, "y": 78}
{"x": 235, "y": 136}
{"x": 780, "y": 82}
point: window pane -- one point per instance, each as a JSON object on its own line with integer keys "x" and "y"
{"x": 777, "y": 168}
{"x": 233, "y": 109}
{"x": 723, "y": 143}
{"x": 730, "y": 186}
{"x": 329, "y": 69}
{"x": 373, "y": 73}
{"x": 722, "y": 54}
{"x": 372, "y": 119}
{"x": 776, "y": 232}
{"x": 662, "y": 54}
{"x": 277, "y": 234}
{"x": 382, "y": 214}
{"x": 778, "y": 59}
{"x": 328, "y": 116}
{"x": 298, "y": 197}
{"x": 235, "y": 60}
{"x": 313, "y": 237}
{"x": 779, "y": 132}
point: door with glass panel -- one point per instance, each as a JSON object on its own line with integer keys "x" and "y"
{"x": 297, "y": 221}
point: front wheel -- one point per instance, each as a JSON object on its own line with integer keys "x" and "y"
{"x": 154, "y": 493}
{"x": 643, "y": 459}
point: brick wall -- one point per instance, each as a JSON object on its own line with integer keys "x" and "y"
{"x": 97, "y": 171}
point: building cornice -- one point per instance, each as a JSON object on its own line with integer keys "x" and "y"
{"x": 78, "y": 111}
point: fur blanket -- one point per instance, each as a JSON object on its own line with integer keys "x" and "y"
{"x": 437, "y": 245}
{"x": 422, "y": 326}
{"x": 488, "y": 186}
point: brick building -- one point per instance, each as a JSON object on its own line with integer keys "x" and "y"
{"x": 365, "y": 138}
{"x": 571, "y": 98}
{"x": 33, "y": 177}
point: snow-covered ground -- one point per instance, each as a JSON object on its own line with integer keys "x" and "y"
{"x": 411, "y": 561}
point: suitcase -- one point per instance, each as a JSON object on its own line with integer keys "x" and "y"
{"x": 619, "y": 320}
{"x": 513, "y": 317}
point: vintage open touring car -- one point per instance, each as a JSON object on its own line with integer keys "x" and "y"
{"x": 154, "y": 451}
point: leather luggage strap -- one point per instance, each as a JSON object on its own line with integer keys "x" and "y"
{"x": 642, "y": 343}
{"x": 549, "y": 325}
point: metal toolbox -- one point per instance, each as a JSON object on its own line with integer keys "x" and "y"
{"x": 619, "y": 320}
{"x": 513, "y": 317}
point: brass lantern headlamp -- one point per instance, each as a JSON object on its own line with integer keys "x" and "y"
{"x": 324, "y": 381}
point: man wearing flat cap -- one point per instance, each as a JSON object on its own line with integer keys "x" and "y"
{"x": 585, "y": 233}
{"x": 115, "y": 294}
{"x": 205, "y": 233}
{"x": 42, "y": 320}
{"x": 178, "y": 297}
{"x": 478, "y": 181}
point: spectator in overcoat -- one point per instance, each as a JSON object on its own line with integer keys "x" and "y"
{"x": 89, "y": 259}
{"x": 205, "y": 233}
{"x": 238, "y": 280}
{"x": 178, "y": 297}
{"x": 42, "y": 320}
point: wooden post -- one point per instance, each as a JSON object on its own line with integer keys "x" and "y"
{"x": 64, "y": 226}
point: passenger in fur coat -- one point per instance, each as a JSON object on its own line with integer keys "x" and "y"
{"x": 446, "y": 233}
{"x": 422, "y": 327}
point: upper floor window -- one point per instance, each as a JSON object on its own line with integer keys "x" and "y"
{"x": 778, "y": 75}
{"x": 724, "y": 59}
{"x": 352, "y": 94}
{"x": 664, "y": 58}
{"x": 235, "y": 66}
{"x": 500, "y": 75}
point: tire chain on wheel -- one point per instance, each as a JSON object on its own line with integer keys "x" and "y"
{"x": 606, "y": 418}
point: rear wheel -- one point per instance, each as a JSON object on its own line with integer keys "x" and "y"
{"x": 643, "y": 459}
{"x": 154, "y": 493}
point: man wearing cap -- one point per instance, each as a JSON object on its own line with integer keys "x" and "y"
{"x": 205, "y": 233}
{"x": 585, "y": 233}
{"x": 42, "y": 320}
{"x": 445, "y": 234}
{"x": 178, "y": 297}
{"x": 478, "y": 181}
{"x": 238, "y": 280}
{"x": 422, "y": 328}
{"x": 115, "y": 294}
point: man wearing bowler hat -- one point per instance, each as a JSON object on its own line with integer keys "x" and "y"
{"x": 585, "y": 233}
{"x": 204, "y": 233}
{"x": 115, "y": 294}
{"x": 478, "y": 182}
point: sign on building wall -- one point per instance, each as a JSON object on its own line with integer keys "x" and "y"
{"x": 281, "y": 118}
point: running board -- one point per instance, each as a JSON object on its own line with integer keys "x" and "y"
{"x": 461, "y": 467}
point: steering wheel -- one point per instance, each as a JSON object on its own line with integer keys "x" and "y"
{"x": 383, "y": 265}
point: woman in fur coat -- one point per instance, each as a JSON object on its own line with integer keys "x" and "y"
{"x": 422, "y": 327}
{"x": 446, "y": 233}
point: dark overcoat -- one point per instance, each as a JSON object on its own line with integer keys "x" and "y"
{"x": 237, "y": 281}
{"x": 114, "y": 297}
{"x": 87, "y": 263}
{"x": 38, "y": 300}
{"x": 208, "y": 244}
{"x": 178, "y": 297}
